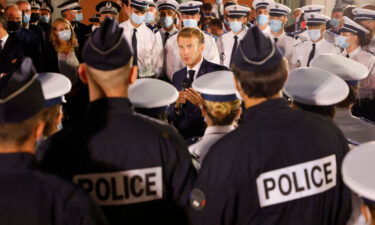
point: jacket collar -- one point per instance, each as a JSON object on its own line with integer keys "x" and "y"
{"x": 13, "y": 162}
{"x": 267, "y": 107}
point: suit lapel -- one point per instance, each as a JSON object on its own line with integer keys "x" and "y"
{"x": 202, "y": 69}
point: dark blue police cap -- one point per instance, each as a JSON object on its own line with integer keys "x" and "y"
{"x": 108, "y": 7}
{"x": 256, "y": 52}
{"x": 21, "y": 95}
{"x": 106, "y": 49}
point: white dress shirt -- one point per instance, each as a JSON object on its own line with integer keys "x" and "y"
{"x": 4, "y": 40}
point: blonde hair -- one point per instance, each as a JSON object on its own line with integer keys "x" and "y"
{"x": 222, "y": 113}
{"x": 73, "y": 43}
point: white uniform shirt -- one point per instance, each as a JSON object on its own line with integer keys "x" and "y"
{"x": 367, "y": 85}
{"x": 225, "y": 45}
{"x": 267, "y": 31}
{"x": 301, "y": 52}
{"x": 171, "y": 33}
{"x": 4, "y": 40}
{"x": 287, "y": 44}
{"x": 210, "y": 137}
{"x": 172, "y": 54}
{"x": 354, "y": 128}
{"x": 149, "y": 49}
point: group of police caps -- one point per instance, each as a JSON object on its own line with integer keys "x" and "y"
{"x": 279, "y": 156}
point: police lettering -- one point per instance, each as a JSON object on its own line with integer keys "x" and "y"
{"x": 123, "y": 187}
{"x": 297, "y": 181}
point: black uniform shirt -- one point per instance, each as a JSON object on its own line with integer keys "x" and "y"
{"x": 280, "y": 167}
{"x": 135, "y": 167}
{"x": 33, "y": 198}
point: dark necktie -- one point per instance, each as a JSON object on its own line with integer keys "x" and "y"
{"x": 276, "y": 39}
{"x": 190, "y": 78}
{"x": 134, "y": 45}
{"x": 312, "y": 54}
{"x": 233, "y": 50}
{"x": 166, "y": 37}
{"x": 347, "y": 56}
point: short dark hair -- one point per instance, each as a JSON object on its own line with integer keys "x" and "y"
{"x": 207, "y": 6}
{"x": 216, "y": 23}
{"x": 264, "y": 84}
{"x": 327, "y": 111}
{"x": 351, "y": 99}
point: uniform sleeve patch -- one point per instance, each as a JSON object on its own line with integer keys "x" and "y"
{"x": 197, "y": 199}
{"x": 296, "y": 182}
{"x": 123, "y": 187}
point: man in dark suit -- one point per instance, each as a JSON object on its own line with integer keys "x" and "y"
{"x": 185, "y": 113}
{"x": 11, "y": 53}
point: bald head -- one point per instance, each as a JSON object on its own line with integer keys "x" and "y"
{"x": 13, "y": 13}
{"x": 24, "y": 7}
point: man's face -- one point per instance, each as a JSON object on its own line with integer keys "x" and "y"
{"x": 152, "y": 10}
{"x": 297, "y": 13}
{"x": 242, "y": 19}
{"x": 261, "y": 11}
{"x": 137, "y": 12}
{"x": 13, "y": 15}
{"x": 167, "y": 12}
{"x": 103, "y": 16}
{"x": 44, "y": 12}
{"x": 25, "y": 7}
{"x": 283, "y": 19}
{"x": 70, "y": 14}
{"x": 190, "y": 50}
{"x": 195, "y": 17}
{"x": 351, "y": 38}
{"x": 337, "y": 15}
{"x": 215, "y": 30}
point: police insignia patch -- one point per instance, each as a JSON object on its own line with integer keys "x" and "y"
{"x": 108, "y": 5}
{"x": 197, "y": 199}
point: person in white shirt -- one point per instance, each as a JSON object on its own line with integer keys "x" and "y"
{"x": 262, "y": 15}
{"x": 352, "y": 41}
{"x": 228, "y": 42}
{"x": 304, "y": 52}
{"x": 278, "y": 20}
{"x": 366, "y": 18}
{"x": 147, "y": 46}
{"x": 221, "y": 109}
{"x": 190, "y": 16}
{"x": 167, "y": 11}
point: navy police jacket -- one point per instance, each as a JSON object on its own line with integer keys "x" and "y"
{"x": 279, "y": 167}
{"x": 31, "y": 197}
{"x": 190, "y": 122}
{"x": 134, "y": 167}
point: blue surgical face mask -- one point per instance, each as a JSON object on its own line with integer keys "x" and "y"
{"x": 64, "y": 35}
{"x": 190, "y": 23}
{"x": 26, "y": 18}
{"x": 314, "y": 34}
{"x": 137, "y": 19}
{"x": 276, "y": 25}
{"x": 167, "y": 21}
{"x": 342, "y": 42}
{"x": 219, "y": 2}
{"x": 335, "y": 22}
{"x": 45, "y": 18}
{"x": 262, "y": 19}
{"x": 235, "y": 26}
{"x": 79, "y": 17}
{"x": 149, "y": 17}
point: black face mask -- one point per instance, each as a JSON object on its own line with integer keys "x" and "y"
{"x": 14, "y": 26}
{"x": 35, "y": 17}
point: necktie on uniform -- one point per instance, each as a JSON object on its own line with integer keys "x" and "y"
{"x": 190, "y": 78}
{"x": 234, "y": 49}
{"x": 312, "y": 54}
{"x": 134, "y": 45}
{"x": 347, "y": 56}
{"x": 166, "y": 37}
{"x": 276, "y": 40}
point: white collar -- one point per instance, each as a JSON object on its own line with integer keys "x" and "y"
{"x": 173, "y": 31}
{"x": 196, "y": 67}
{"x": 343, "y": 113}
{"x": 242, "y": 33}
{"x": 355, "y": 52}
{"x": 131, "y": 27}
{"x": 280, "y": 36}
{"x": 219, "y": 129}
{"x": 4, "y": 39}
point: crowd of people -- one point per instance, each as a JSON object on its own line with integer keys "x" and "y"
{"x": 161, "y": 112}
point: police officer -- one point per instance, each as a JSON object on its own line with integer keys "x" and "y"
{"x": 95, "y": 22}
{"x": 315, "y": 90}
{"x": 278, "y": 20}
{"x": 221, "y": 108}
{"x": 304, "y": 52}
{"x": 167, "y": 11}
{"x": 108, "y": 9}
{"x": 135, "y": 168}
{"x": 366, "y": 18}
{"x": 258, "y": 169}
{"x": 147, "y": 101}
{"x": 29, "y": 196}
{"x": 190, "y": 17}
{"x": 262, "y": 15}
{"x": 352, "y": 41}
{"x": 228, "y": 42}
{"x": 357, "y": 171}
{"x": 186, "y": 114}
{"x": 150, "y": 16}
{"x": 148, "y": 47}
{"x": 355, "y": 129}
{"x": 46, "y": 11}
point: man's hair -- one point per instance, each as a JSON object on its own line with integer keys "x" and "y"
{"x": 19, "y": 133}
{"x": 327, "y": 111}
{"x": 263, "y": 84}
{"x": 222, "y": 113}
{"x": 108, "y": 80}
{"x": 216, "y": 23}
{"x": 207, "y": 6}
{"x": 189, "y": 32}
{"x": 3, "y": 22}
